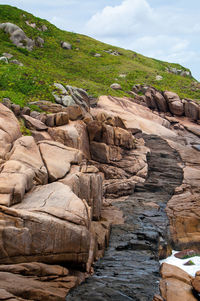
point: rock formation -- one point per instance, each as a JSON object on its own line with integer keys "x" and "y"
{"x": 84, "y": 168}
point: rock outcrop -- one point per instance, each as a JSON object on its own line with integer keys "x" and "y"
{"x": 17, "y": 36}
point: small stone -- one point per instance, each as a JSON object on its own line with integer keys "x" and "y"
{"x": 116, "y": 86}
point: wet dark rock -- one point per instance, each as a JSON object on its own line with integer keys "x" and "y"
{"x": 130, "y": 267}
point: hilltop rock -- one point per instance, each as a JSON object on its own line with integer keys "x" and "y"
{"x": 116, "y": 86}
{"x": 17, "y": 35}
{"x": 71, "y": 96}
{"x": 66, "y": 45}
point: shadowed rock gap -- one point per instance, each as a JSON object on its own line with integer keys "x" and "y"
{"x": 130, "y": 267}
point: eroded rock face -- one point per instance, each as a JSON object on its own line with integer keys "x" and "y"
{"x": 36, "y": 281}
{"x": 60, "y": 217}
{"x": 58, "y": 158}
{"x": 72, "y": 135}
{"x": 22, "y": 171}
{"x": 9, "y": 131}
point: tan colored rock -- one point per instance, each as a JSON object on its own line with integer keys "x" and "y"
{"x": 9, "y": 130}
{"x": 94, "y": 129}
{"x": 101, "y": 230}
{"x": 50, "y": 120}
{"x": 192, "y": 110}
{"x": 36, "y": 281}
{"x": 196, "y": 282}
{"x": 58, "y": 158}
{"x": 40, "y": 135}
{"x": 34, "y": 124}
{"x": 118, "y": 187}
{"x": 61, "y": 118}
{"x": 73, "y": 135}
{"x": 176, "y": 284}
{"x": 100, "y": 152}
{"x": 175, "y": 105}
{"x": 150, "y": 99}
{"x": 50, "y": 225}
{"x": 87, "y": 185}
{"x": 75, "y": 112}
{"x": 161, "y": 102}
{"x": 123, "y": 138}
{"x": 24, "y": 169}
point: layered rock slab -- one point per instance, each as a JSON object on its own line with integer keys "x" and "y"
{"x": 50, "y": 225}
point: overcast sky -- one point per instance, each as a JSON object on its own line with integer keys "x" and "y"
{"x": 164, "y": 29}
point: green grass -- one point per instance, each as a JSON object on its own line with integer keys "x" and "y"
{"x": 77, "y": 67}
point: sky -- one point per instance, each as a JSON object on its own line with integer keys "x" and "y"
{"x": 167, "y": 30}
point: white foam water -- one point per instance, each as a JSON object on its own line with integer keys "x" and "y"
{"x": 190, "y": 269}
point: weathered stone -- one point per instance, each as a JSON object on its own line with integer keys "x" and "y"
{"x": 16, "y": 109}
{"x": 175, "y": 105}
{"x": 116, "y": 86}
{"x": 119, "y": 187}
{"x": 61, "y": 118}
{"x": 73, "y": 135}
{"x": 161, "y": 102}
{"x": 20, "y": 173}
{"x": 58, "y": 158}
{"x": 34, "y": 124}
{"x": 9, "y": 130}
{"x": 17, "y": 35}
{"x": 176, "y": 284}
{"x": 50, "y": 120}
{"x": 192, "y": 110}
{"x": 25, "y": 111}
{"x": 123, "y": 138}
{"x": 87, "y": 186}
{"x": 66, "y": 45}
{"x": 59, "y": 217}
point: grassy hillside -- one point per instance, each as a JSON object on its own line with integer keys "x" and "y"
{"x": 78, "y": 66}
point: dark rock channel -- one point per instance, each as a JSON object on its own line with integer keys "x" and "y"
{"x": 130, "y": 267}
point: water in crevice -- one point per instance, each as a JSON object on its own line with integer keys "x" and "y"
{"x": 130, "y": 268}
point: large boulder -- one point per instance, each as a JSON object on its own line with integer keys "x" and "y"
{"x": 176, "y": 284}
{"x": 175, "y": 105}
{"x": 36, "y": 281}
{"x": 73, "y": 135}
{"x": 192, "y": 110}
{"x": 22, "y": 171}
{"x": 9, "y": 131}
{"x": 17, "y": 35}
{"x": 71, "y": 96}
{"x": 58, "y": 158}
{"x": 50, "y": 225}
{"x": 86, "y": 182}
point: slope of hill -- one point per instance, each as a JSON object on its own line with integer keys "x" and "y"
{"x": 77, "y": 66}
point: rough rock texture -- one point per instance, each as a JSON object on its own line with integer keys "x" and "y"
{"x": 20, "y": 173}
{"x": 176, "y": 284}
{"x": 36, "y": 281}
{"x": 73, "y": 135}
{"x": 71, "y": 96}
{"x": 86, "y": 183}
{"x": 9, "y": 131}
{"x": 60, "y": 217}
{"x": 58, "y": 158}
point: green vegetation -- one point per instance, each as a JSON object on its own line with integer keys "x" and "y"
{"x": 78, "y": 66}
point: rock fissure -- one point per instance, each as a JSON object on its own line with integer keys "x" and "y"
{"x": 130, "y": 267}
